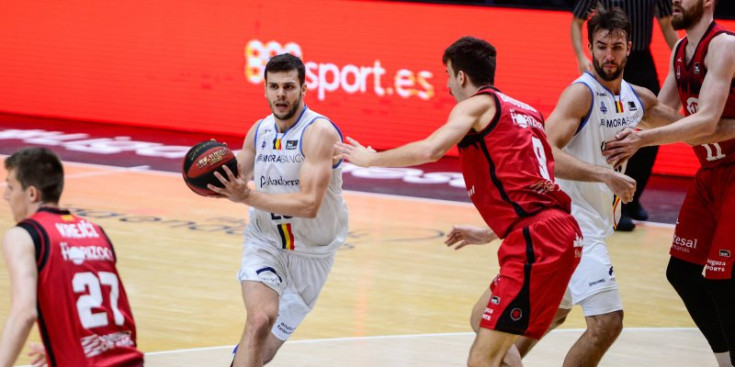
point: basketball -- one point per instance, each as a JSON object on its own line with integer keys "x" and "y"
{"x": 200, "y": 163}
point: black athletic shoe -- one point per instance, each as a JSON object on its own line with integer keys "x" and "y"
{"x": 625, "y": 224}
{"x": 637, "y": 212}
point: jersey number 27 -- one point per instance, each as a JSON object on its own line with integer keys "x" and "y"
{"x": 90, "y": 283}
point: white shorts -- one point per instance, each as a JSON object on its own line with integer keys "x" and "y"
{"x": 593, "y": 284}
{"x": 297, "y": 280}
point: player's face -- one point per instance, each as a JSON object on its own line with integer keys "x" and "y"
{"x": 284, "y": 92}
{"x": 609, "y": 53}
{"x": 455, "y": 89}
{"x": 19, "y": 199}
{"x": 686, "y": 13}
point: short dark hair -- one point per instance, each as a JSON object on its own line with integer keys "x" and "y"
{"x": 475, "y": 57}
{"x": 613, "y": 19}
{"x": 38, "y": 167}
{"x": 286, "y": 62}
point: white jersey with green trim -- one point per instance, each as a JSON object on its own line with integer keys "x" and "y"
{"x": 277, "y": 168}
{"x": 594, "y": 205}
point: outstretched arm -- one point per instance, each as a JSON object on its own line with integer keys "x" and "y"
{"x": 712, "y": 98}
{"x": 19, "y": 254}
{"x": 465, "y": 115}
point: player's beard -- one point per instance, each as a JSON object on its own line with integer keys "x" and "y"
{"x": 688, "y": 17}
{"x": 291, "y": 112}
{"x": 609, "y": 77}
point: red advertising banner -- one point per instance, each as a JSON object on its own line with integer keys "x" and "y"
{"x": 196, "y": 65}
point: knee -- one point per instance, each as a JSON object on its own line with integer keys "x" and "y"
{"x": 259, "y": 323}
{"x": 607, "y": 327}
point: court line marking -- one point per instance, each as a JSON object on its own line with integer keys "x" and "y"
{"x": 408, "y": 336}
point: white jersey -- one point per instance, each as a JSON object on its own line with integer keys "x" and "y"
{"x": 278, "y": 161}
{"x": 594, "y": 205}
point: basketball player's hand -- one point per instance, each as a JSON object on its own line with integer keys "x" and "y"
{"x": 464, "y": 235}
{"x": 623, "y": 186}
{"x": 584, "y": 64}
{"x": 38, "y": 353}
{"x": 354, "y": 152}
{"x": 235, "y": 188}
{"x": 626, "y": 143}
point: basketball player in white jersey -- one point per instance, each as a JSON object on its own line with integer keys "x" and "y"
{"x": 298, "y": 218}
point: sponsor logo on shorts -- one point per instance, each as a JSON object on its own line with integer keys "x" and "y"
{"x": 488, "y": 314}
{"x": 681, "y": 243}
{"x": 495, "y": 300}
{"x": 725, "y": 253}
{"x": 599, "y": 281}
{"x": 715, "y": 266}
{"x": 516, "y": 314}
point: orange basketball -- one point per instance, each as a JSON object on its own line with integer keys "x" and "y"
{"x": 200, "y": 163}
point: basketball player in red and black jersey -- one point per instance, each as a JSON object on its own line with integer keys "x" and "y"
{"x": 508, "y": 170}
{"x": 702, "y": 80}
{"x": 62, "y": 274}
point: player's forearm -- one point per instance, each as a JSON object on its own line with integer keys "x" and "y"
{"x": 690, "y": 128}
{"x": 407, "y": 155}
{"x": 296, "y": 204}
{"x": 725, "y": 131}
{"x": 571, "y": 168}
{"x": 16, "y": 330}
{"x": 576, "y": 36}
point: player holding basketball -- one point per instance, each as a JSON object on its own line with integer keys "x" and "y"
{"x": 298, "y": 218}
{"x": 508, "y": 169}
{"x": 62, "y": 274}
{"x": 702, "y": 69}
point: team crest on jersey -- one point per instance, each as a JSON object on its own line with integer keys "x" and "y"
{"x": 516, "y": 314}
{"x": 697, "y": 68}
{"x": 631, "y": 106}
{"x": 603, "y": 108}
{"x": 678, "y": 72}
{"x": 291, "y": 144}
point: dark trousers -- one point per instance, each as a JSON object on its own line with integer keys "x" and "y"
{"x": 641, "y": 71}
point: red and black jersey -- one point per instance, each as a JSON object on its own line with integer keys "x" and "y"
{"x": 689, "y": 78}
{"x": 83, "y": 311}
{"x": 508, "y": 167}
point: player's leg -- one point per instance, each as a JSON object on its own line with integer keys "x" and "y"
{"x": 512, "y": 358}
{"x": 689, "y": 251}
{"x": 489, "y": 348}
{"x": 307, "y": 277}
{"x": 719, "y": 268}
{"x": 262, "y": 278}
{"x": 261, "y": 305}
{"x": 524, "y": 344}
{"x": 593, "y": 287}
{"x": 602, "y": 331}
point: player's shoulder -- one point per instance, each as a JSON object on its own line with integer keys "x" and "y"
{"x": 723, "y": 43}
{"x": 17, "y": 236}
{"x": 322, "y": 127}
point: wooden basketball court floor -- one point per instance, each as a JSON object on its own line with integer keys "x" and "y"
{"x": 396, "y": 296}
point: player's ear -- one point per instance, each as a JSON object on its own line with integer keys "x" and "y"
{"x": 630, "y": 47}
{"x": 33, "y": 194}
{"x": 461, "y": 78}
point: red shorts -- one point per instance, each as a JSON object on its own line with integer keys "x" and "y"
{"x": 537, "y": 259}
{"x": 705, "y": 230}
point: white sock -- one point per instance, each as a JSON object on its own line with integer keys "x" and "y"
{"x": 723, "y": 359}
